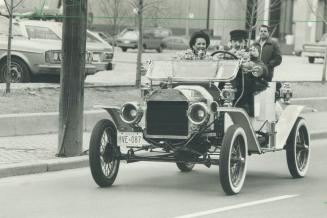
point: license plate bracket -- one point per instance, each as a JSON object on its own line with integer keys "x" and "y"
{"x": 130, "y": 139}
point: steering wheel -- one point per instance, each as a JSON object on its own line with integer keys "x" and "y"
{"x": 234, "y": 57}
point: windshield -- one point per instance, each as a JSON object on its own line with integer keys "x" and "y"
{"x": 91, "y": 38}
{"x": 193, "y": 71}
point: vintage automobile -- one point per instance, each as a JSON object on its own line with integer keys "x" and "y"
{"x": 194, "y": 118}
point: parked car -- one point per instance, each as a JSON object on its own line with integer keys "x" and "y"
{"x": 152, "y": 38}
{"x": 189, "y": 120}
{"x": 315, "y": 50}
{"x": 31, "y": 57}
{"x": 176, "y": 42}
{"x": 105, "y": 36}
{"x": 102, "y": 52}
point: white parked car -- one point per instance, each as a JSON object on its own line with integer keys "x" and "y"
{"x": 102, "y": 52}
{"x": 31, "y": 57}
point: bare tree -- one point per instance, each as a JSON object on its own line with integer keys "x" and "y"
{"x": 115, "y": 11}
{"x": 154, "y": 10}
{"x": 144, "y": 7}
{"x": 10, "y": 7}
{"x": 324, "y": 20}
{"x": 252, "y": 9}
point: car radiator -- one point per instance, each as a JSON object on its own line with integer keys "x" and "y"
{"x": 167, "y": 118}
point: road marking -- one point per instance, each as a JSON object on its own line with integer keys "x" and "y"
{"x": 309, "y": 98}
{"x": 218, "y": 210}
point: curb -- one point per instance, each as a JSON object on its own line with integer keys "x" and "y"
{"x": 43, "y": 123}
{"x": 43, "y": 166}
{"x": 73, "y": 163}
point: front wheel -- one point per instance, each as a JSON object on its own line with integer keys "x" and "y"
{"x": 19, "y": 71}
{"x": 104, "y": 154}
{"x": 298, "y": 149}
{"x": 233, "y": 160}
{"x": 185, "y": 167}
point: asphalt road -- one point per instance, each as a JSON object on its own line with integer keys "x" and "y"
{"x": 159, "y": 190}
{"x": 293, "y": 68}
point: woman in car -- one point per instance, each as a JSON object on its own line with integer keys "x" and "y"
{"x": 199, "y": 44}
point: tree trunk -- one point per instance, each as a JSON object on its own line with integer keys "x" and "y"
{"x": 8, "y": 76}
{"x": 140, "y": 44}
{"x": 72, "y": 78}
{"x": 324, "y": 70}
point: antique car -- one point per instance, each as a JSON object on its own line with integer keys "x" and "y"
{"x": 193, "y": 117}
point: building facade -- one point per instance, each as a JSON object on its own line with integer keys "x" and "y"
{"x": 293, "y": 22}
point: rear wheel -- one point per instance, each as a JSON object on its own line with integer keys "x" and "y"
{"x": 298, "y": 149}
{"x": 185, "y": 167}
{"x": 104, "y": 154}
{"x": 123, "y": 49}
{"x": 233, "y": 160}
{"x": 311, "y": 60}
{"x": 19, "y": 72}
{"x": 159, "y": 50}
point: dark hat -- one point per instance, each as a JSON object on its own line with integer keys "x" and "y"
{"x": 238, "y": 34}
{"x": 199, "y": 34}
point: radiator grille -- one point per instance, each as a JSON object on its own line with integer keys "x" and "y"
{"x": 167, "y": 118}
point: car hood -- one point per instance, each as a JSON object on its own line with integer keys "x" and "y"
{"x": 92, "y": 46}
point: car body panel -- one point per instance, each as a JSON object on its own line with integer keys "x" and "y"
{"x": 285, "y": 124}
{"x": 239, "y": 116}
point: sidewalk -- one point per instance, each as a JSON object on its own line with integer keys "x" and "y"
{"x": 21, "y": 155}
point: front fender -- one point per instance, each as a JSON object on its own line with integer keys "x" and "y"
{"x": 239, "y": 116}
{"x": 119, "y": 123}
{"x": 285, "y": 124}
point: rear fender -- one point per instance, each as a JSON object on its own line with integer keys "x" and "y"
{"x": 239, "y": 116}
{"x": 285, "y": 124}
{"x": 121, "y": 126}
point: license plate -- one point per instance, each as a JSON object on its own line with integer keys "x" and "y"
{"x": 130, "y": 139}
{"x": 96, "y": 57}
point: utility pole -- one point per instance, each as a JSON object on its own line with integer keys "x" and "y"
{"x": 139, "y": 44}
{"x": 208, "y": 14}
{"x": 71, "y": 103}
{"x": 8, "y": 75}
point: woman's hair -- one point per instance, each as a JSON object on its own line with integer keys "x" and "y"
{"x": 199, "y": 34}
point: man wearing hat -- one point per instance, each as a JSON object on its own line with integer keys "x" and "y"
{"x": 238, "y": 43}
{"x": 199, "y": 42}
